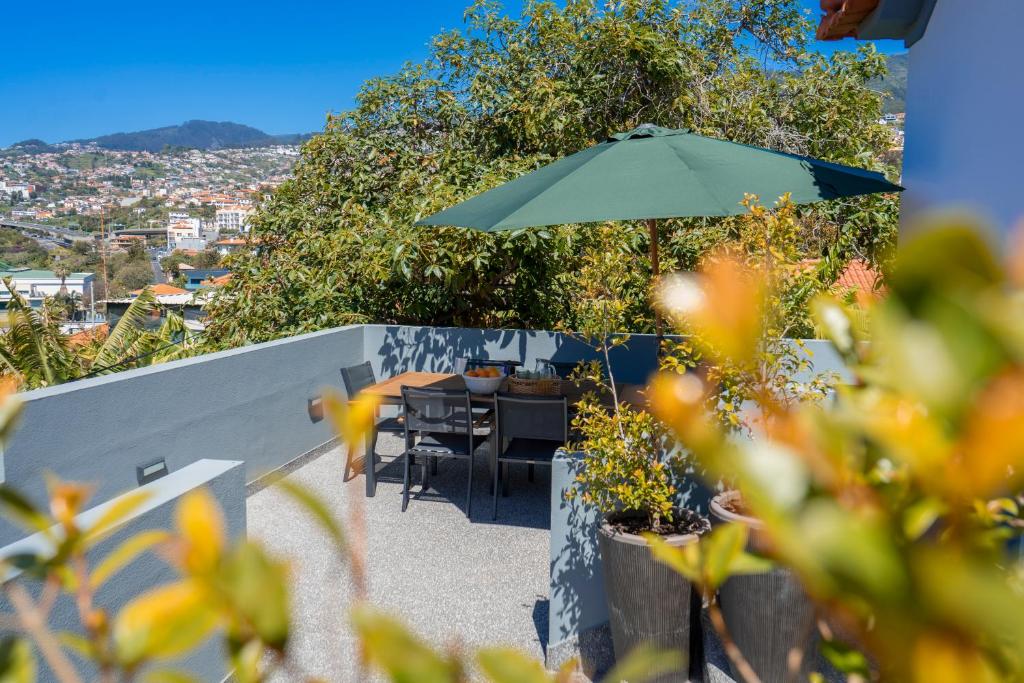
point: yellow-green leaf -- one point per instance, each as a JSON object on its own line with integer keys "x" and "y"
{"x": 684, "y": 563}
{"x": 257, "y": 586}
{"x": 645, "y": 663}
{"x": 507, "y": 665}
{"x": 402, "y": 656}
{"x": 115, "y": 513}
{"x": 17, "y": 663}
{"x": 719, "y": 549}
{"x": 201, "y": 526}
{"x": 920, "y": 516}
{"x": 125, "y": 554}
{"x": 163, "y": 622}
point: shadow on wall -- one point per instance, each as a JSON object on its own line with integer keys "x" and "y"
{"x": 396, "y": 349}
{"x": 434, "y": 349}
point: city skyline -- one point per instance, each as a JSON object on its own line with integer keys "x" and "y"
{"x": 125, "y": 67}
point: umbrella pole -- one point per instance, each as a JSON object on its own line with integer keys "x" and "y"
{"x": 652, "y": 227}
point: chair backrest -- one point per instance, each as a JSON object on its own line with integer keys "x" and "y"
{"x": 437, "y": 410}
{"x": 357, "y": 378}
{"x": 462, "y": 364}
{"x": 532, "y": 417}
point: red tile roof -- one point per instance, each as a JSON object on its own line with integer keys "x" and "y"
{"x": 843, "y": 17}
{"x": 218, "y": 281}
{"x": 858, "y": 275}
{"x": 162, "y": 288}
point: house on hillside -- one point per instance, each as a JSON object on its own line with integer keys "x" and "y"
{"x": 189, "y": 305}
{"x": 964, "y": 60}
{"x": 229, "y": 245}
{"x": 36, "y": 285}
{"x": 197, "y": 278}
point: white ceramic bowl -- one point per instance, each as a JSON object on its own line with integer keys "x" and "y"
{"x": 483, "y": 385}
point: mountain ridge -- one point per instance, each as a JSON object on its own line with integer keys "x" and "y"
{"x": 193, "y": 134}
{"x": 893, "y": 85}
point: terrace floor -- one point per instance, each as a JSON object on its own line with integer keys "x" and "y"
{"x": 451, "y": 579}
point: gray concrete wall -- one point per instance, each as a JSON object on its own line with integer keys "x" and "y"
{"x": 247, "y": 404}
{"x": 577, "y": 611}
{"x": 394, "y": 349}
{"x": 224, "y": 479}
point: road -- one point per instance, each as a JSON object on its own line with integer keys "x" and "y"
{"x": 158, "y": 273}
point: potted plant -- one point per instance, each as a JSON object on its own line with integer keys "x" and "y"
{"x": 739, "y": 315}
{"x": 628, "y": 472}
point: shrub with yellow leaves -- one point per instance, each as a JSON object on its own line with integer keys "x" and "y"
{"x": 894, "y": 505}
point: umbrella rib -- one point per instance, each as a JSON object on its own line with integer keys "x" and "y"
{"x": 700, "y": 181}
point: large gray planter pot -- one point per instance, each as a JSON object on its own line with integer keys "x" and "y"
{"x": 768, "y": 615}
{"x": 647, "y": 601}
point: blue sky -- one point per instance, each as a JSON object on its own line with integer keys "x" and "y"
{"x": 74, "y": 69}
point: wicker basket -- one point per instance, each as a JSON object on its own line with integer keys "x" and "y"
{"x": 536, "y": 387}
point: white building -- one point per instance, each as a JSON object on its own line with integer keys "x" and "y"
{"x": 233, "y": 218}
{"x": 965, "y": 95}
{"x": 22, "y": 190}
{"x": 180, "y": 231}
{"x": 36, "y": 285}
{"x": 181, "y": 227}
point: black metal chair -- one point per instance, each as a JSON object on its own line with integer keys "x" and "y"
{"x": 534, "y": 427}
{"x": 356, "y": 378}
{"x": 438, "y": 424}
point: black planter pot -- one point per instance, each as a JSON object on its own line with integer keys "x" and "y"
{"x": 647, "y": 601}
{"x": 767, "y": 614}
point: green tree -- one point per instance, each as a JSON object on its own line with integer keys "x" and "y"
{"x": 131, "y": 276}
{"x": 37, "y": 354}
{"x": 503, "y": 96}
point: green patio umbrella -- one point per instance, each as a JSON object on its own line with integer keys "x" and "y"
{"x": 650, "y": 173}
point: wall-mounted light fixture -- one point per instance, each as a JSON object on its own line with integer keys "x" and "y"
{"x": 151, "y": 472}
{"x": 316, "y": 409}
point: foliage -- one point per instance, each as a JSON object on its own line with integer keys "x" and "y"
{"x": 893, "y": 506}
{"x": 335, "y": 244}
{"x": 20, "y": 251}
{"x": 625, "y": 465}
{"x": 35, "y": 352}
{"x": 755, "y": 302}
{"x": 204, "y": 260}
{"x": 131, "y": 276}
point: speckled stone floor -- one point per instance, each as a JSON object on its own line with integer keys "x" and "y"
{"x": 454, "y": 581}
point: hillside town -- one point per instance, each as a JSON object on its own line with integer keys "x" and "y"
{"x": 72, "y": 185}
{"x": 90, "y": 227}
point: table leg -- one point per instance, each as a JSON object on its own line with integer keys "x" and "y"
{"x": 370, "y": 464}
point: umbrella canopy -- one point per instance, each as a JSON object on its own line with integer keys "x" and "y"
{"x": 652, "y": 172}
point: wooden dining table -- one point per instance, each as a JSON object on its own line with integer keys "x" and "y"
{"x": 389, "y": 391}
